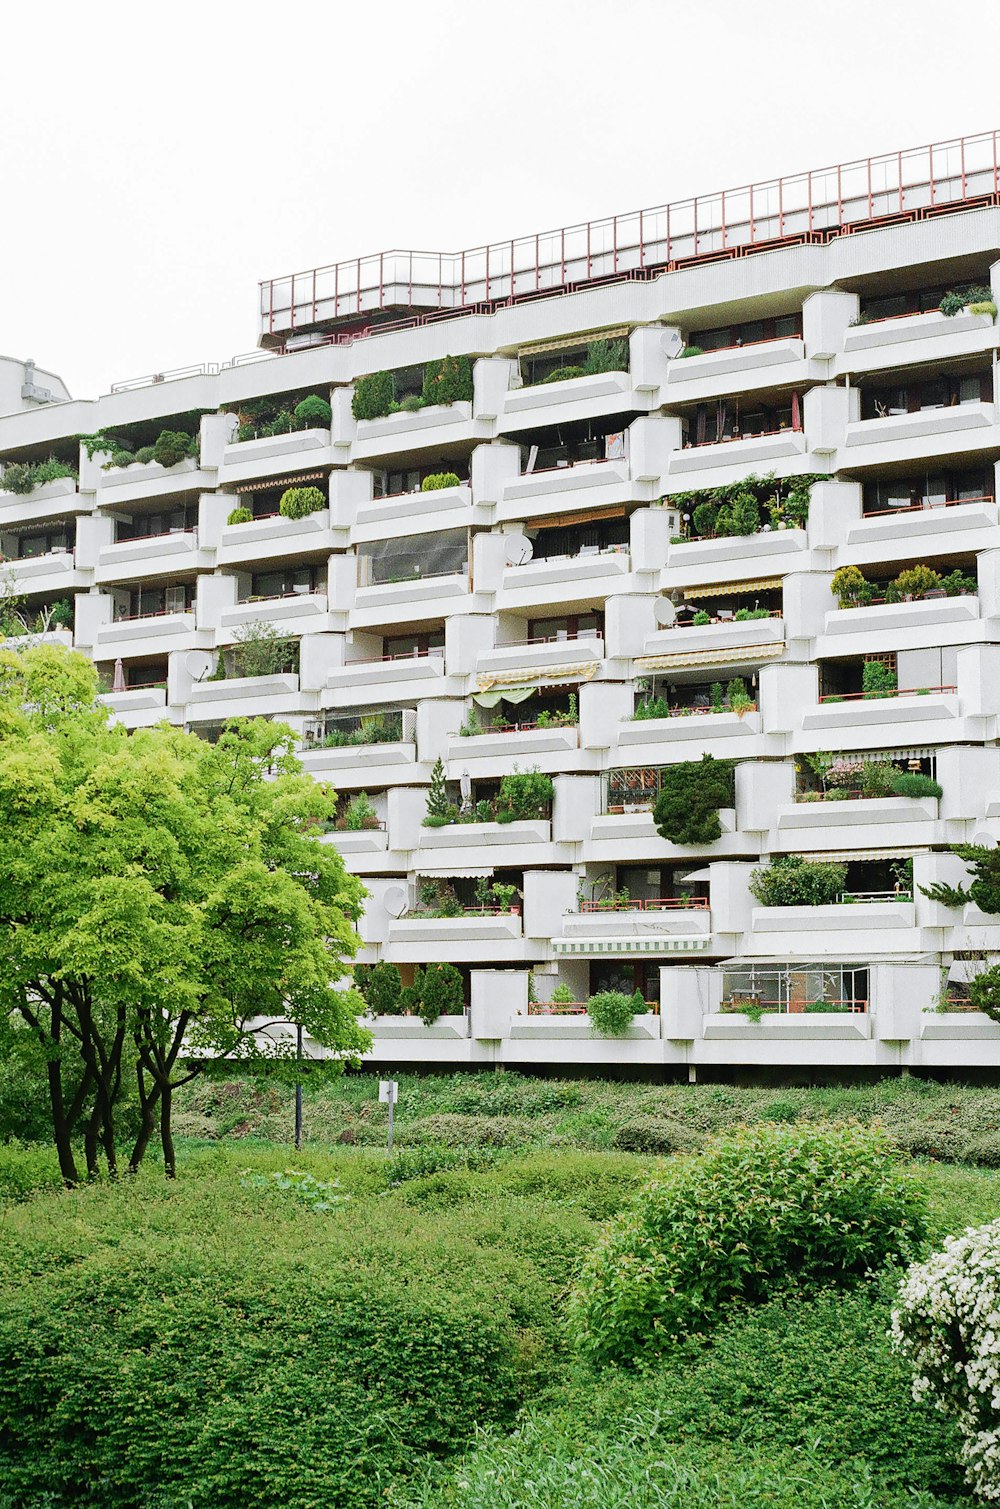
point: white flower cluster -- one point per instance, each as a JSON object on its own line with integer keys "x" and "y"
{"x": 948, "y": 1325}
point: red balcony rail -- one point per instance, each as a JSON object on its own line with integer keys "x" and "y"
{"x": 783, "y": 429}
{"x": 857, "y": 1004}
{"x": 121, "y": 618}
{"x": 570, "y": 635}
{"x": 810, "y": 206}
{"x": 649, "y": 904}
{"x": 904, "y": 691}
{"x": 878, "y": 513}
{"x": 437, "y": 650}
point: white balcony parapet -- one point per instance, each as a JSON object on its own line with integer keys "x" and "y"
{"x": 53, "y": 500}
{"x": 921, "y": 616}
{"x": 752, "y": 639}
{"x": 926, "y": 525}
{"x": 135, "y": 699}
{"x": 178, "y": 551}
{"x": 244, "y": 696}
{"x": 584, "y": 477}
{"x": 56, "y": 571}
{"x": 740, "y": 554}
{"x": 958, "y": 1027}
{"x": 787, "y": 1026}
{"x": 930, "y": 326}
{"x": 935, "y": 706}
{"x": 482, "y": 836}
{"x": 580, "y": 655}
{"x": 129, "y": 483}
{"x": 438, "y": 508}
{"x": 746, "y": 452}
{"x": 159, "y": 626}
{"x": 406, "y": 1028}
{"x": 593, "y": 394}
{"x": 276, "y": 537}
{"x": 732, "y": 359}
{"x": 577, "y": 1026}
{"x": 849, "y": 917}
{"x": 598, "y": 567}
{"x": 297, "y": 612}
{"x": 394, "y": 594}
{"x": 923, "y": 424}
{"x": 698, "y": 726}
{"x": 246, "y": 454}
{"x": 513, "y": 743}
{"x": 320, "y": 759}
{"x": 479, "y": 928}
{"x": 364, "y": 841}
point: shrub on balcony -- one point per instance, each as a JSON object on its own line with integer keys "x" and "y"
{"x": 914, "y": 783}
{"x": 372, "y": 396}
{"x": 240, "y": 516}
{"x": 740, "y": 507}
{"x": 953, "y": 303}
{"x": 360, "y": 816}
{"x": 984, "y": 306}
{"x": 411, "y": 404}
{"x": 692, "y": 793}
{"x": 744, "y": 615}
{"x": 850, "y": 587}
{"x": 693, "y": 351}
{"x": 959, "y": 584}
{"x": 769, "y": 1206}
{"x": 700, "y": 618}
{"x": 562, "y": 996}
{"x": 22, "y": 477}
{"x": 739, "y": 516}
{"x": 704, "y": 518}
{"x": 984, "y": 890}
{"x": 611, "y": 1013}
{"x": 436, "y": 991}
{"x": 790, "y": 880}
{"x": 299, "y": 502}
{"x": 912, "y": 583}
{"x": 607, "y": 356}
{"x": 878, "y": 778}
{"x": 439, "y": 480}
{"x": 448, "y": 380}
{"x": 877, "y": 679}
{"x": 380, "y": 987}
{"x": 438, "y": 804}
{"x": 262, "y": 650}
{"x": 564, "y": 374}
{"x": 312, "y": 412}
{"x": 172, "y": 446}
{"x": 652, "y": 707}
{"x": 525, "y": 795}
{"x": 984, "y": 992}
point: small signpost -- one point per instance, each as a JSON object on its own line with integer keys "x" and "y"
{"x": 388, "y": 1091}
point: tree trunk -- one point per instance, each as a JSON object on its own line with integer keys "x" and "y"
{"x": 166, "y": 1134}
{"x": 61, "y": 1127}
{"x": 90, "y": 1141}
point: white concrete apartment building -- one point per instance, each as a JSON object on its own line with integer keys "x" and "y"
{"x": 566, "y": 580}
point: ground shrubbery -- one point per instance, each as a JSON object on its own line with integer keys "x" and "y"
{"x": 763, "y": 1208}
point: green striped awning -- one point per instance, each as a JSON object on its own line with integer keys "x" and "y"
{"x": 683, "y": 943}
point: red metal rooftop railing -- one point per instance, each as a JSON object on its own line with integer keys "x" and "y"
{"x": 814, "y": 205}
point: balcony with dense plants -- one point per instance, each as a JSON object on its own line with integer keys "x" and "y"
{"x": 691, "y": 803}
{"x": 513, "y": 811}
{"x": 892, "y": 794}
{"x": 257, "y": 676}
{"x": 279, "y": 432}
{"x": 29, "y": 619}
{"x": 147, "y": 458}
{"x": 584, "y": 380}
{"x": 353, "y": 740}
{"x": 419, "y": 407}
{"x": 464, "y": 912}
{"x": 795, "y": 895}
{"x": 903, "y": 608}
{"x": 358, "y": 825}
{"x": 519, "y": 720}
{"x": 667, "y": 709}
{"x": 276, "y": 520}
{"x": 725, "y": 527}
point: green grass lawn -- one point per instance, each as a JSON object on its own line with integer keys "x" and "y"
{"x": 222, "y": 1342}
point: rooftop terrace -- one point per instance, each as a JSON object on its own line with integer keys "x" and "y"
{"x": 394, "y": 288}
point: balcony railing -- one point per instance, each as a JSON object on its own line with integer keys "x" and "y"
{"x": 924, "y": 505}
{"x": 811, "y": 206}
{"x": 432, "y": 650}
{"x": 567, "y": 637}
{"x": 648, "y": 904}
{"x": 574, "y": 1008}
{"x": 905, "y": 691}
{"x": 755, "y": 1002}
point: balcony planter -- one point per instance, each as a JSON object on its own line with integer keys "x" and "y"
{"x": 787, "y": 1027}
{"x": 743, "y": 551}
{"x": 626, "y": 826}
{"x": 261, "y": 538}
{"x": 578, "y": 1027}
{"x": 409, "y": 1027}
{"x": 528, "y": 741}
{"x": 958, "y": 1027}
{"x": 749, "y": 635}
{"x": 922, "y": 614}
{"x": 153, "y": 473}
{"x": 268, "y": 446}
{"x": 750, "y": 358}
{"x": 477, "y": 928}
{"x": 486, "y": 835}
{"x": 934, "y": 707}
{"x": 644, "y": 733}
{"x": 593, "y": 393}
{"x": 913, "y": 327}
{"x": 403, "y": 426}
{"x": 866, "y": 812}
{"x": 413, "y": 506}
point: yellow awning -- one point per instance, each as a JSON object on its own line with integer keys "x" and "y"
{"x": 521, "y": 675}
{"x": 568, "y": 342}
{"x": 259, "y": 487}
{"x": 729, "y": 589}
{"x": 738, "y": 655}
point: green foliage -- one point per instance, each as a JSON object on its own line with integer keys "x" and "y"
{"x": 312, "y": 412}
{"x": 693, "y": 351}
{"x": 691, "y": 795}
{"x": 240, "y": 516}
{"x": 145, "y": 454}
{"x": 849, "y": 586}
{"x": 437, "y": 990}
{"x": 766, "y": 1208}
{"x": 25, "y": 1170}
{"x": 655, "y": 1135}
{"x": 380, "y": 986}
{"x": 319, "y": 1195}
{"x": 984, "y": 991}
{"x": 360, "y": 814}
{"x": 24, "y": 476}
{"x": 912, "y": 582}
{"x": 118, "y": 459}
{"x": 744, "y": 615}
{"x": 959, "y": 583}
{"x": 651, "y": 707}
{"x": 448, "y": 380}
{"x": 737, "y": 509}
{"x": 739, "y": 516}
{"x": 562, "y": 995}
{"x": 878, "y": 778}
{"x": 611, "y": 1013}
{"x": 984, "y": 306}
{"x": 438, "y": 804}
{"x": 298, "y": 502}
{"x": 985, "y": 888}
{"x": 705, "y": 517}
{"x": 964, "y": 298}
{"x": 565, "y": 374}
{"x": 373, "y": 396}
{"x": 914, "y": 783}
{"x": 877, "y": 679}
{"x": 262, "y": 650}
{"x": 737, "y": 696}
{"x": 411, "y": 404}
{"x": 160, "y": 891}
{"x": 607, "y": 356}
{"x": 701, "y": 617}
{"x": 172, "y": 446}
{"x": 437, "y": 480}
{"x": 525, "y": 795}
{"x": 790, "y": 880}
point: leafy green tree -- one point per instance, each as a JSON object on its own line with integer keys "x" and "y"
{"x": 163, "y": 903}
{"x": 381, "y": 986}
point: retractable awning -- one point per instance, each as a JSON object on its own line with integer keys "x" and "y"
{"x": 521, "y": 676}
{"x": 730, "y": 589}
{"x": 743, "y": 654}
{"x": 572, "y": 342}
{"x": 295, "y": 481}
{"x": 684, "y": 943}
{"x": 843, "y": 856}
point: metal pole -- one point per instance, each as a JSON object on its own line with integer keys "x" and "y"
{"x": 392, "y": 1107}
{"x": 298, "y": 1091}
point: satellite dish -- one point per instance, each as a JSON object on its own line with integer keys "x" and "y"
{"x": 673, "y": 343}
{"x": 518, "y": 550}
{"x": 664, "y": 612}
{"x": 396, "y": 901}
{"x": 197, "y": 663}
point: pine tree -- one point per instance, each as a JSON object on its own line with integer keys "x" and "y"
{"x": 438, "y": 804}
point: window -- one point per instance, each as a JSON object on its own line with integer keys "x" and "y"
{"x": 148, "y": 525}
{"x": 729, "y": 419}
{"x": 399, "y": 646}
{"x": 30, "y": 546}
{"x": 787, "y": 988}
{"x": 930, "y": 491}
{"x": 572, "y": 626}
{"x": 581, "y": 539}
{"x": 414, "y": 558}
{"x": 932, "y": 393}
{"x": 720, "y": 337}
{"x": 148, "y": 602}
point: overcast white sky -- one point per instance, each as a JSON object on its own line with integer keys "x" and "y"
{"x": 159, "y": 160}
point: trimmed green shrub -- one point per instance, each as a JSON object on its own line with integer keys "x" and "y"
{"x": 915, "y": 783}
{"x": 611, "y": 1013}
{"x": 849, "y": 586}
{"x": 692, "y": 793}
{"x": 693, "y": 351}
{"x": 448, "y": 380}
{"x": 24, "y": 476}
{"x": 312, "y": 412}
{"x": 172, "y": 446}
{"x": 877, "y": 679}
{"x": 240, "y": 516}
{"x": 524, "y": 795}
{"x": 119, "y": 458}
{"x": 145, "y": 455}
{"x": 372, "y": 396}
{"x": 705, "y": 518}
{"x": 411, "y": 404}
{"x": 766, "y": 1208}
{"x": 438, "y": 480}
{"x": 790, "y": 880}
{"x": 437, "y": 990}
{"x": 298, "y": 502}
{"x": 565, "y": 374}
{"x": 656, "y": 1135}
{"x": 984, "y": 991}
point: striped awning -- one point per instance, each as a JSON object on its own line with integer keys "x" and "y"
{"x": 739, "y": 654}
{"x": 522, "y": 676}
{"x": 842, "y": 856}
{"x": 299, "y": 477}
{"x": 681, "y": 943}
{"x": 729, "y": 589}
{"x": 573, "y": 342}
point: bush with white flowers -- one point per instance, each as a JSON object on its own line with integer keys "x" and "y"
{"x": 947, "y": 1323}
